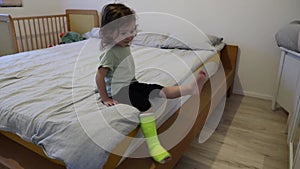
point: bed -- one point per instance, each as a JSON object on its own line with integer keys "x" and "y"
{"x": 49, "y": 104}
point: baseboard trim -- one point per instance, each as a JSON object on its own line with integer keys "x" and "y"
{"x": 253, "y": 94}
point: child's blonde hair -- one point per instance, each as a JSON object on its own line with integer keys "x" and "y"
{"x": 110, "y": 13}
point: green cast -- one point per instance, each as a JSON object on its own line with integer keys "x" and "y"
{"x": 148, "y": 126}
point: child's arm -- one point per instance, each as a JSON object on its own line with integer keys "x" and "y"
{"x": 101, "y": 85}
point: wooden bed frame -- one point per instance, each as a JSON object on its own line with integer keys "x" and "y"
{"x": 228, "y": 57}
{"x": 37, "y": 32}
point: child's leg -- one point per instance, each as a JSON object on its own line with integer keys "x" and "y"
{"x": 148, "y": 126}
{"x": 140, "y": 100}
{"x": 172, "y": 92}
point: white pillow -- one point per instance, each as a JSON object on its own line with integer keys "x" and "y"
{"x": 169, "y": 42}
{"x": 173, "y": 42}
{"x": 150, "y": 39}
{"x": 94, "y": 33}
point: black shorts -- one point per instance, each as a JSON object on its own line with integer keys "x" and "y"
{"x": 138, "y": 95}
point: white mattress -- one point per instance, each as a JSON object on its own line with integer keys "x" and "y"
{"x": 47, "y": 97}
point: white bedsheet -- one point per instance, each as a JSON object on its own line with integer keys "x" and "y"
{"x": 47, "y": 97}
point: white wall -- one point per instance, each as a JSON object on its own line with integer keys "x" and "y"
{"x": 87, "y": 4}
{"x": 250, "y": 24}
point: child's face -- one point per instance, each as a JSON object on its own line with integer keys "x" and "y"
{"x": 126, "y": 34}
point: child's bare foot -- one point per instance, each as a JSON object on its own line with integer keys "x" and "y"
{"x": 200, "y": 80}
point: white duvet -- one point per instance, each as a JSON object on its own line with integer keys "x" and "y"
{"x": 47, "y": 97}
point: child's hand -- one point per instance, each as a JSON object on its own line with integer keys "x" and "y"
{"x": 109, "y": 102}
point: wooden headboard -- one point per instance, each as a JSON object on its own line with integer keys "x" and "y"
{"x": 82, "y": 21}
{"x": 36, "y": 32}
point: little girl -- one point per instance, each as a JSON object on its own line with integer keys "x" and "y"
{"x": 116, "y": 82}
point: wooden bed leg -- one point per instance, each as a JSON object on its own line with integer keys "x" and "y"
{"x": 229, "y": 92}
{"x": 228, "y": 58}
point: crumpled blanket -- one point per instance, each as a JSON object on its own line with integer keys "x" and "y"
{"x": 70, "y": 37}
{"x": 47, "y": 101}
{"x": 48, "y": 98}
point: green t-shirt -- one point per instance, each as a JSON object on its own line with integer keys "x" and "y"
{"x": 121, "y": 68}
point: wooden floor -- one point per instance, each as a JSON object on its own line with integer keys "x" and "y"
{"x": 250, "y": 136}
